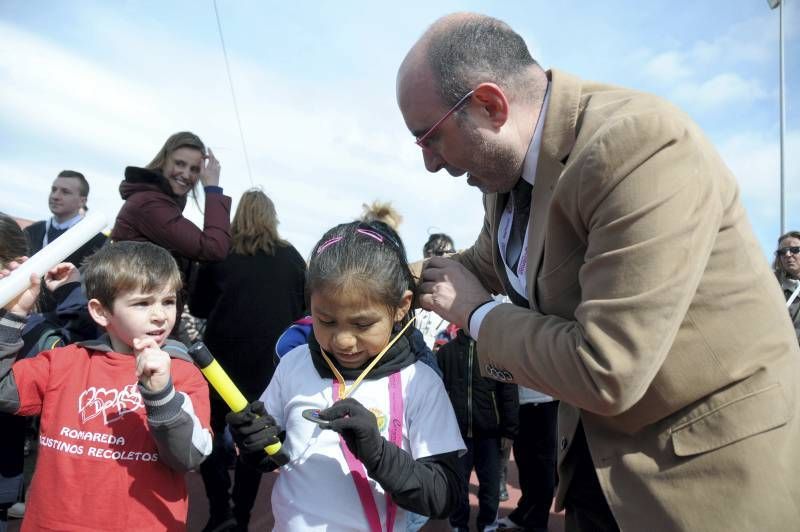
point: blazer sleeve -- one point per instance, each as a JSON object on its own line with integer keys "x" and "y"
{"x": 648, "y": 200}
{"x": 163, "y": 223}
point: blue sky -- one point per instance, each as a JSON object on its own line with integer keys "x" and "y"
{"x": 97, "y": 86}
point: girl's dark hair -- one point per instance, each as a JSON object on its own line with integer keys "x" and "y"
{"x": 438, "y": 244}
{"x": 13, "y": 242}
{"x": 371, "y": 256}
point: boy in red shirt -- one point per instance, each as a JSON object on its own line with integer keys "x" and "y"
{"x": 123, "y": 417}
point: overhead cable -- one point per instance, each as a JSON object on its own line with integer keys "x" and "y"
{"x": 233, "y": 94}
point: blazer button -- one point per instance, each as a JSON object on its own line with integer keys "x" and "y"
{"x": 564, "y": 443}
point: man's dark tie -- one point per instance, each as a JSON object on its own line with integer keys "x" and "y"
{"x": 521, "y": 197}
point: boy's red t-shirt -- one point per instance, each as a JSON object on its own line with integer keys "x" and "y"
{"x": 98, "y": 466}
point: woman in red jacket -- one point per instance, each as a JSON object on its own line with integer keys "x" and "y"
{"x": 155, "y": 197}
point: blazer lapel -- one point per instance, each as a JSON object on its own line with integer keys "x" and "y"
{"x": 558, "y": 138}
{"x": 547, "y": 172}
{"x": 499, "y": 201}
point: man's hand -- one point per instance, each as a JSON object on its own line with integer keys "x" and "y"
{"x": 152, "y": 364}
{"x": 61, "y": 274}
{"x": 24, "y": 303}
{"x": 359, "y": 429}
{"x": 451, "y": 291}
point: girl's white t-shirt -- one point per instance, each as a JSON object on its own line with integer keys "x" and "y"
{"x": 314, "y": 491}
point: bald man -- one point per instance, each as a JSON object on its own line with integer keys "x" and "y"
{"x": 641, "y": 298}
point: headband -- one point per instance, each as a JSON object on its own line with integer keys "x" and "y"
{"x": 375, "y": 235}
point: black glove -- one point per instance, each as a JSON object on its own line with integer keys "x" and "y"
{"x": 359, "y": 428}
{"x": 252, "y": 430}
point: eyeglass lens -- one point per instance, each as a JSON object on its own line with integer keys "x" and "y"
{"x": 794, "y": 250}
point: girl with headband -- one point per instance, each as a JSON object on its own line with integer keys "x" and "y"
{"x": 369, "y": 431}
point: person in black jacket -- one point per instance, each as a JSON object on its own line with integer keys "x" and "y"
{"x": 487, "y": 411}
{"x": 248, "y": 299}
{"x": 67, "y": 202}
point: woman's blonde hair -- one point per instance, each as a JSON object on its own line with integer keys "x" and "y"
{"x": 381, "y": 212}
{"x": 182, "y": 139}
{"x": 255, "y": 225}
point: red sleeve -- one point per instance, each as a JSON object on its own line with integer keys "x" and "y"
{"x": 188, "y": 379}
{"x": 32, "y": 377}
{"x": 163, "y": 223}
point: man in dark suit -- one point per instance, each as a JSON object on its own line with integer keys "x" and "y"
{"x": 641, "y": 298}
{"x": 67, "y": 202}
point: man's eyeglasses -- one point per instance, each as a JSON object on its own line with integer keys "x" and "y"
{"x": 423, "y": 141}
{"x": 793, "y": 250}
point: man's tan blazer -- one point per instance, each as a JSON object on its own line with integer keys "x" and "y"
{"x": 653, "y": 317}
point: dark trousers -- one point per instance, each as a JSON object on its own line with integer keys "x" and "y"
{"x": 535, "y": 454}
{"x": 484, "y": 455}
{"x": 216, "y": 479}
{"x": 586, "y": 507}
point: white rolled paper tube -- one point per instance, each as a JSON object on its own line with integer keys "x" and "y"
{"x": 50, "y": 255}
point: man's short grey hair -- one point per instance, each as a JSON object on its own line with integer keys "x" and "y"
{"x": 471, "y": 50}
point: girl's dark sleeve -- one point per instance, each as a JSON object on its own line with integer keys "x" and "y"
{"x": 427, "y": 486}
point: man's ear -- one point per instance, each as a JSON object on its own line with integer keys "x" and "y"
{"x": 493, "y": 103}
{"x": 100, "y": 314}
{"x": 404, "y": 306}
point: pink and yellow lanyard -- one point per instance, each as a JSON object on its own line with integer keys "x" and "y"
{"x": 357, "y": 471}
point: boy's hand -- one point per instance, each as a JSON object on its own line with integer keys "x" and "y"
{"x": 152, "y": 364}
{"x": 24, "y": 303}
{"x": 61, "y": 274}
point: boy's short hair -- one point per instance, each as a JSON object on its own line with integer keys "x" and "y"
{"x": 127, "y": 266}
